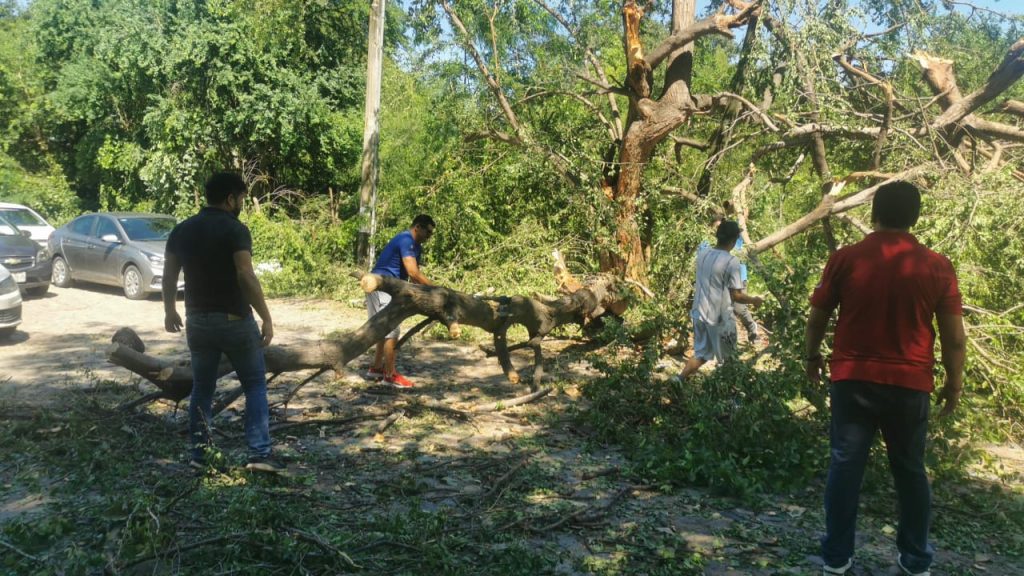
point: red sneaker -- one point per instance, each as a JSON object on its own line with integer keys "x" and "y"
{"x": 374, "y": 374}
{"x": 398, "y": 381}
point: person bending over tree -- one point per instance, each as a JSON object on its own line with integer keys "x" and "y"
{"x": 399, "y": 259}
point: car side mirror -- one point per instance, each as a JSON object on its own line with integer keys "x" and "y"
{"x": 26, "y": 233}
{"x": 110, "y": 238}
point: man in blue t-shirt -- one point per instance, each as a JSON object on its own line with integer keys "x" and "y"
{"x": 399, "y": 259}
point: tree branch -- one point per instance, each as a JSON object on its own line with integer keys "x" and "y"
{"x": 828, "y": 206}
{"x": 1008, "y": 72}
{"x": 558, "y": 161}
{"x": 718, "y": 24}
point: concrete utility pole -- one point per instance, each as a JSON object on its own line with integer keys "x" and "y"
{"x": 371, "y": 137}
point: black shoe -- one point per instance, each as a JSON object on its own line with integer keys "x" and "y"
{"x": 266, "y": 464}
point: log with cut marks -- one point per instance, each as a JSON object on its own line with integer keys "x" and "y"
{"x": 449, "y": 307}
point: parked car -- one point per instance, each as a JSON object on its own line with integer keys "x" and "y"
{"x": 116, "y": 248}
{"x": 10, "y": 304}
{"x": 28, "y": 219}
{"x": 28, "y": 263}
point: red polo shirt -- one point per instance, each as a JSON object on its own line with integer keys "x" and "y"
{"x": 888, "y": 288}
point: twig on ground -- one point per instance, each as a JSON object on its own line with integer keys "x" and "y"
{"x": 430, "y": 404}
{"x": 599, "y": 473}
{"x": 326, "y": 422}
{"x": 18, "y": 551}
{"x": 394, "y": 417}
{"x": 587, "y": 515}
{"x": 499, "y": 484}
{"x": 186, "y": 547}
{"x": 384, "y": 541}
{"x": 314, "y": 539}
{"x": 500, "y": 405}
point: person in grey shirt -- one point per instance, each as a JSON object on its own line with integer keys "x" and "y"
{"x": 741, "y": 310}
{"x": 719, "y": 284}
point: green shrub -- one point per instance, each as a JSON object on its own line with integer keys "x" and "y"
{"x": 733, "y": 430}
{"x": 300, "y": 256}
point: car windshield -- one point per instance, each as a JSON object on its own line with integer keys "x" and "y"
{"x": 8, "y": 229}
{"x": 141, "y": 229}
{"x": 21, "y": 217}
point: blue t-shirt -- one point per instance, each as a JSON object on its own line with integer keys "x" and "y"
{"x": 389, "y": 263}
{"x": 739, "y": 244}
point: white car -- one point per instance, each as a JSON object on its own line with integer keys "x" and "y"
{"x": 27, "y": 219}
{"x": 10, "y": 304}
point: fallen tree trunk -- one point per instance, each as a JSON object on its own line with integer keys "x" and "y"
{"x": 451, "y": 308}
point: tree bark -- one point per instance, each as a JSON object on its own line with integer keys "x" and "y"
{"x": 449, "y": 307}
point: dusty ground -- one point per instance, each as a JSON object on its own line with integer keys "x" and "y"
{"x": 582, "y": 506}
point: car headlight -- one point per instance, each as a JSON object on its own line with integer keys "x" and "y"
{"x": 42, "y": 255}
{"x": 8, "y": 285}
{"x": 155, "y": 259}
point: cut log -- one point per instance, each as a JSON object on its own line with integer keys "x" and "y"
{"x": 451, "y": 308}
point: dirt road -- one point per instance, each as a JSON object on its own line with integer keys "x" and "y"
{"x": 63, "y": 337}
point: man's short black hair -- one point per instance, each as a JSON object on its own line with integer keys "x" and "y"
{"x": 896, "y": 205}
{"x": 224, "y": 184}
{"x": 423, "y": 221}
{"x": 728, "y": 231}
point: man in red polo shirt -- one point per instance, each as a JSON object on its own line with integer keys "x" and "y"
{"x": 888, "y": 288}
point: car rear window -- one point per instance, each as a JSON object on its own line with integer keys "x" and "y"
{"x": 21, "y": 217}
{"x": 83, "y": 225}
{"x": 7, "y": 229}
{"x": 141, "y": 229}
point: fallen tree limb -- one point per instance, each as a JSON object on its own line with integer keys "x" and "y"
{"x": 595, "y": 296}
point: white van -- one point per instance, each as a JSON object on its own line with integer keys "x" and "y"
{"x": 27, "y": 219}
{"x": 10, "y": 304}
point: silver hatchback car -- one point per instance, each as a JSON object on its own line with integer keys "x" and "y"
{"x": 115, "y": 248}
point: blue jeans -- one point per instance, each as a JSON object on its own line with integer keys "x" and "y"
{"x": 858, "y": 410}
{"x": 211, "y": 334}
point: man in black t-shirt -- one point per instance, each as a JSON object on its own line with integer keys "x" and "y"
{"x": 221, "y": 289}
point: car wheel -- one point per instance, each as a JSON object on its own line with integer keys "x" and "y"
{"x": 61, "y": 275}
{"x": 131, "y": 281}
{"x": 6, "y": 333}
{"x": 38, "y": 291}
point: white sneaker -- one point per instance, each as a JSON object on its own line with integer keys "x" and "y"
{"x": 827, "y": 570}
{"x": 905, "y": 570}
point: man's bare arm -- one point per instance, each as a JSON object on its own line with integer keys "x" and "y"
{"x": 169, "y": 292}
{"x": 817, "y": 323}
{"x": 953, "y": 341}
{"x": 253, "y": 292}
{"x": 415, "y": 274}
{"x": 744, "y": 298}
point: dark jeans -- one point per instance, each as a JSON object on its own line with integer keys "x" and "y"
{"x": 211, "y": 334}
{"x": 858, "y": 410}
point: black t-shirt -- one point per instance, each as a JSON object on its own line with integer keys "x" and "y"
{"x": 205, "y": 244}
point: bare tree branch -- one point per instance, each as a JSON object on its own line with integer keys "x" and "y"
{"x": 1015, "y": 107}
{"x": 718, "y": 24}
{"x": 828, "y": 206}
{"x": 1008, "y": 72}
